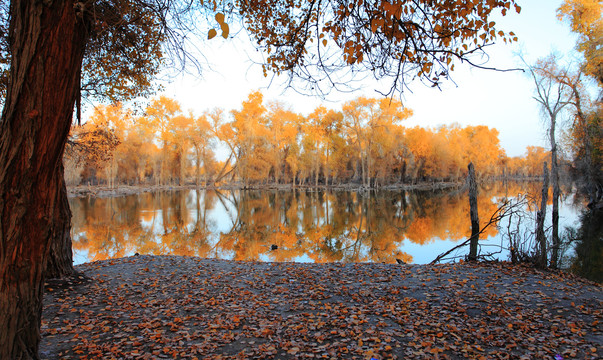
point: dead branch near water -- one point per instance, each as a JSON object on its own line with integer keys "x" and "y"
{"x": 507, "y": 208}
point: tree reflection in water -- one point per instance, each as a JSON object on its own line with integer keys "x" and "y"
{"x": 305, "y": 225}
{"x": 586, "y": 240}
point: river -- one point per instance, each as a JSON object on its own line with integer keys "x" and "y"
{"x": 295, "y": 225}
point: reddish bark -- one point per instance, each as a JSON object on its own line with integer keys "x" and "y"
{"x": 60, "y": 256}
{"x": 47, "y": 40}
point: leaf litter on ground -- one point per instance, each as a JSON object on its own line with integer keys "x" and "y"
{"x": 160, "y": 307}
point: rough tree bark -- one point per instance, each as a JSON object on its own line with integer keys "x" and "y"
{"x": 60, "y": 255}
{"x": 540, "y": 216}
{"x": 47, "y": 40}
{"x": 473, "y": 213}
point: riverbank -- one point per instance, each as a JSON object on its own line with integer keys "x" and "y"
{"x": 148, "y": 307}
{"x": 123, "y": 190}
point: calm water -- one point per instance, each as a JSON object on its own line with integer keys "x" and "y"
{"x": 307, "y": 226}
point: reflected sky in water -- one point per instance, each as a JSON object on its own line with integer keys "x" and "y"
{"x": 306, "y": 226}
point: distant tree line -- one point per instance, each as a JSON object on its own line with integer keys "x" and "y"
{"x": 364, "y": 143}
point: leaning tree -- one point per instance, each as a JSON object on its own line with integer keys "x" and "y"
{"x": 309, "y": 40}
{"x": 122, "y": 56}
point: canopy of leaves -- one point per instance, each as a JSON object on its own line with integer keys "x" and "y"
{"x": 124, "y": 53}
{"x": 585, "y": 19}
{"x": 308, "y": 40}
{"x": 395, "y": 39}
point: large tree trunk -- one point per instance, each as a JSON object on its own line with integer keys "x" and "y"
{"x": 47, "y": 41}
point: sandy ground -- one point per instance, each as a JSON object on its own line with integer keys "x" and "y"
{"x": 155, "y": 307}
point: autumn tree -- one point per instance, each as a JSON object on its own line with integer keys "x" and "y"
{"x": 331, "y": 125}
{"x": 251, "y": 134}
{"x": 202, "y": 141}
{"x": 553, "y": 97}
{"x": 141, "y": 153}
{"x": 451, "y": 147}
{"x": 321, "y": 131}
{"x": 101, "y": 140}
{"x": 159, "y": 118}
{"x": 534, "y": 157}
{"x": 34, "y": 128}
{"x": 312, "y": 142}
{"x": 121, "y": 59}
{"x": 403, "y": 39}
{"x": 584, "y": 17}
{"x": 283, "y": 130}
{"x": 386, "y": 117}
{"x": 365, "y": 118}
{"x": 37, "y": 113}
{"x": 180, "y": 129}
{"x": 419, "y": 142}
{"x": 484, "y": 149}
{"x": 92, "y": 145}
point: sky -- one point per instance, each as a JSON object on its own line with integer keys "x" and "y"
{"x": 503, "y": 100}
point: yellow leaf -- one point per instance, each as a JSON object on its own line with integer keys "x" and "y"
{"x": 225, "y": 30}
{"x": 212, "y": 33}
{"x": 220, "y": 18}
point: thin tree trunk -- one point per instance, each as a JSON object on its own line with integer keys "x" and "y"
{"x": 316, "y": 169}
{"x": 47, "y": 47}
{"x": 473, "y": 213}
{"x": 365, "y": 170}
{"x": 182, "y": 174}
{"x": 204, "y": 168}
{"x": 221, "y": 174}
{"x": 540, "y": 216}
{"x": 368, "y": 168}
{"x": 162, "y": 169}
{"x": 555, "y": 182}
{"x": 197, "y": 172}
{"x": 327, "y": 170}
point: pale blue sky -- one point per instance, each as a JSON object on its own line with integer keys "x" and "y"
{"x": 480, "y": 97}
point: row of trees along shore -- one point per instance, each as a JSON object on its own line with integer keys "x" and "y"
{"x": 365, "y": 143}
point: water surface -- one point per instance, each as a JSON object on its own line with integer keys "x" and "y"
{"x": 301, "y": 225}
